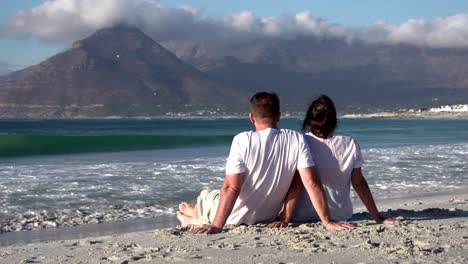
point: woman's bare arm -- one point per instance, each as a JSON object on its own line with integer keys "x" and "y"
{"x": 290, "y": 201}
{"x": 362, "y": 189}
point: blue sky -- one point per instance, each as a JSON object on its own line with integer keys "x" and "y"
{"x": 23, "y": 51}
{"x": 350, "y": 13}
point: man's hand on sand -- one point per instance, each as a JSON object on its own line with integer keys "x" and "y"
{"x": 211, "y": 229}
{"x": 339, "y": 226}
{"x": 277, "y": 224}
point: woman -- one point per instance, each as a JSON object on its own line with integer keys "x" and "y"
{"x": 338, "y": 161}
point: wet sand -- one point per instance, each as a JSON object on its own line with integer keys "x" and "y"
{"x": 431, "y": 229}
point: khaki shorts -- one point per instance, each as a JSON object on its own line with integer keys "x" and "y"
{"x": 208, "y": 205}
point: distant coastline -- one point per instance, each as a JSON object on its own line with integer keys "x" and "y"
{"x": 446, "y": 111}
{"x": 376, "y": 115}
{"x": 407, "y": 115}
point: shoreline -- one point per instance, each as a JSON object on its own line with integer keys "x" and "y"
{"x": 431, "y": 228}
{"x": 377, "y": 115}
{"x": 46, "y": 225}
{"x": 87, "y": 230}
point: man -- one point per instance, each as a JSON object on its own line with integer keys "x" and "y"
{"x": 259, "y": 171}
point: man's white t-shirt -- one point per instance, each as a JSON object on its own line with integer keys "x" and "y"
{"x": 267, "y": 161}
{"x": 334, "y": 158}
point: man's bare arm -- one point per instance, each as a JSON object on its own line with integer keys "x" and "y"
{"x": 314, "y": 188}
{"x": 228, "y": 197}
{"x": 362, "y": 189}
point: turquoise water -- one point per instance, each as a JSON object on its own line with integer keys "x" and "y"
{"x": 56, "y": 164}
{"x": 28, "y": 138}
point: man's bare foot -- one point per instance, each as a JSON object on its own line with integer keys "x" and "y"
{"x": 188, "y": 210}
{"x": 186, "y": 220}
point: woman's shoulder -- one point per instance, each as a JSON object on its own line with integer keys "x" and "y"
{"x": 345, "y": 139}
{"x": 337, "y": 140}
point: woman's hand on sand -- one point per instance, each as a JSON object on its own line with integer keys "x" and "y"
{"x": 278, "y": 224}
{"x": 207, "y": 229}
{"x": 388, "y": 221}
{"x": 339, "y": 226}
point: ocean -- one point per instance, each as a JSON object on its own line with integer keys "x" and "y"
{"x": 54, "y": 165}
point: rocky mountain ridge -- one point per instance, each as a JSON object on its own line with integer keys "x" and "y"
{"x": 118, "y": 71}
{"x": 358, "y": 76}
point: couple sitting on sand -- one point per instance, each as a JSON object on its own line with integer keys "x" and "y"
{"x": 268, "y": 169}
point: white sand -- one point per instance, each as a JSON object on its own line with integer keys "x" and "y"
{"x": 432, "y": 230}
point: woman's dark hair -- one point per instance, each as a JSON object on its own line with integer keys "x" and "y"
{"x": 320, "y": 118}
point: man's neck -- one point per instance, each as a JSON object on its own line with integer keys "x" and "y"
{"x": 263, "y": 126}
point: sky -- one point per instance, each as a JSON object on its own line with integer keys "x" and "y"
{"x": 32, "y": 30}
{"x": 348, "y": 12}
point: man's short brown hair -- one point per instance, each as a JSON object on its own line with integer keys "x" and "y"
{"x": 265, "y": 106}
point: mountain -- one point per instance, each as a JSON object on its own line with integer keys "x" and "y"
{"x": 360, "y": 77}
{"x": 117, "y": 71}
{"x": 5, "y": 68}
{"x": 120, "y": 71}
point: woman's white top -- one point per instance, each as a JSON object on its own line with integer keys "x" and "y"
{"x": 334, "y": 158}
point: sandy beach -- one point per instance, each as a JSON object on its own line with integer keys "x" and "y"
{"x": 431, "y": 230}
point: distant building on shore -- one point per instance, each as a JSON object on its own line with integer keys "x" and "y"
{"x": 449, "y": 109}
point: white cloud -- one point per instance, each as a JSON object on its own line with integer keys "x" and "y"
{"x": 442, "y": 32}
{"x": 59, "y": 20}
{"x": 244, "y": 21}
{"x": 68, "y": 20}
